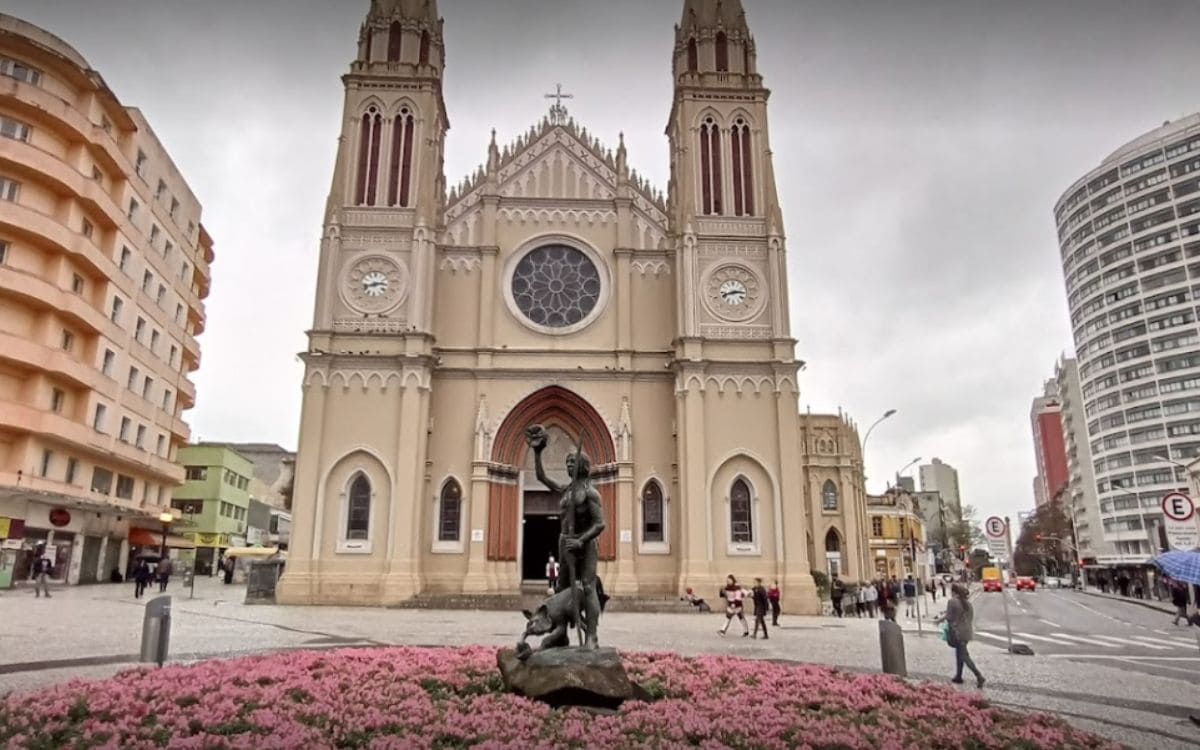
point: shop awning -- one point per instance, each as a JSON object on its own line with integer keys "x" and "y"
{"x": 147, "y": 538}
{"x": 252, "y": 552}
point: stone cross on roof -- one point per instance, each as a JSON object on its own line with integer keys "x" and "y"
{"x": 558, "y": 113}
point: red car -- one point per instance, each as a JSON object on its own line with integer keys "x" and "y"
{"x": 993, "y": 584}
{"x": 1025, "y": 584}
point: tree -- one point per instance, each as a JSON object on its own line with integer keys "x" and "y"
{"x": 1046, "y": 542}
{"x": 965, "y": 530}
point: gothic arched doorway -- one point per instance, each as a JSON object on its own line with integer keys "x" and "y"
{"x": 523, "y": 517}
{"x": 833, "y": 552}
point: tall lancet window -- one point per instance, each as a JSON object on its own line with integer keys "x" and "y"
{"x": 423, "y": 56}
{"x": 710, "y": 167}
{"x": 722, "y": 52}
{"x": 368, "y": 157}
{"x": 693, "y": 56}
{"x": 395, "y": 37}
{"x": 400, "y": 172}
{"x": 367, "y": 50}
{"x": 743, "y": 169}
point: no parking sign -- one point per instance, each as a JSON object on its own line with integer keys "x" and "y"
{"x": 1179, "y": 514}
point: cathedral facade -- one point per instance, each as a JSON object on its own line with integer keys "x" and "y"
{"x": 556, "y": 287}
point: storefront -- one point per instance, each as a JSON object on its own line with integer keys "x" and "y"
{"x": 210, "y": 548}
{"x": 147, "y": 544}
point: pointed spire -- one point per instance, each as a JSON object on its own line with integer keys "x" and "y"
{"x": 421, "y": 10}
{"x": 493, "y": 162}
{"x": 707, "y": 14}
{"x": 622, "y": 163}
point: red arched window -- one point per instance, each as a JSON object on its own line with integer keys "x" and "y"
{"x": 693, "y": 56}
{"x": 423, "y": 58}
{"x": 722, "y": 52}
{"x": 400, "y": 173}
{"x": 368, "y": 157}
{"x": 743, "y": 173}
{"x": 710, "y": 167}
{"x": 395, "y": 37}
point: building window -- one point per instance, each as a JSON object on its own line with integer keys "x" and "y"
{"x": 876, "y": 526}
{"x": 107, "y": 365}
{"x": 829, "y": 496}
{"x": 101, "y": 480}
{"x": 68, "y": 340}
{"x": 56, "y": 399}
{"x": 166, "y": 402}
{"x": 395, "y": 42}
{"x": 20, "y": 71}
{"x": 358, "y": 517}
{"x": 368, "y": 157}
{"x": 722, "y": 45}
{"x": 15, "y": 129}
{"x": 133, "y": 377}
{"x": 3, "y": 252}
{"x": 154, "y": 336}
{"x": 47, "y": 458}
{"x": 450, "y": 513}
{"x": 77, "y": 284}
{"x": 652, "y": 513}
{"x": 160, "y": 191}
{"x": 196, "y": 473}
{"x": 140, "y": 165}
{"x": 168, "y": 248}
{"x": 133, "y": 209}
{"x": 72, "y": 470}
{"x": 123, "y": 435}
{"x": 833, "y": 542}
{"x": 174, "y": 207}
{"x": 9, "y": 190}
{"x": 155, "y": 232}
{"x": 147, "y": 386}
{"x": 139, "y": 329}
{"x": 140, "y": 439}
{"x": 741, "y": 516}
{"x": 743, "y": 172}
{"x": 174, "y": 353}
{"x": 124, "y": 487}
{"x": 147, "y": 281}
{"x": 126, "y": 255}
{"x": 86, "y": 228}
{"x": 710, "y": 167}
{"x": 117, "y": 306}
{"x": 400, "y": 172}
{"x": 693, "y": 56}
{"x": 423, "y": 54}
{"x": 161, "y": 294}
{"x": 162, "y": 441}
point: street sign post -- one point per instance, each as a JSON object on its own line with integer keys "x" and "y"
{"x": 1179, "y": 513}
{"x": 996, "y": 531}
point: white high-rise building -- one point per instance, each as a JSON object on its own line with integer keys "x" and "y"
{"x": 942, "y": 478}
{"x": 1083, "y": 504}
{"x": 1130, "y": 238}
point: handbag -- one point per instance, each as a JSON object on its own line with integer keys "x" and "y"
{"x": 944, "y": 632}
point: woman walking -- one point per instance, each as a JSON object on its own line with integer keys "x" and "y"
{"x": 761, "y": 605}
{"x": 773, "y": 593}
{"x": 960, "y": 618}
{"x": 735, "y": 597}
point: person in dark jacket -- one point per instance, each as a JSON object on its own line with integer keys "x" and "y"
{"x": 960, "y": 620}
{"x": 762, "y": 604}
{"x": 837, "y": 590}
{"x": 141, "y": 578}
{"x": 1179, "y": 597}
{"x": 230, "y": 566}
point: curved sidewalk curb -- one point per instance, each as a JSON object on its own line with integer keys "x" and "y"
{"x": 1148, "y": 604}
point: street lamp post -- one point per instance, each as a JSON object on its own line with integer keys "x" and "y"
{"x": 166, "y": 518}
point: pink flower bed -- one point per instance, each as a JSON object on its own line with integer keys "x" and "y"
{"x": 453, "y": 698}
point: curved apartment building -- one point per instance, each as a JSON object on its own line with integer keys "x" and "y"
{"x": 104, "y": 267}
{"x": 1129, "y": 233}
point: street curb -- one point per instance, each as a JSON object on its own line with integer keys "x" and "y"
{"x": 1139, "y": 602}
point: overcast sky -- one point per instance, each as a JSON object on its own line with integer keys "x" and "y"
{"x": 919, "y": 147}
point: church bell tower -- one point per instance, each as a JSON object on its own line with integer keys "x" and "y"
{"x": 734, "y": 355}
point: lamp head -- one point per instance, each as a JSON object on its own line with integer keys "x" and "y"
{"x": 888, "y": 413}
{"x": 166, "y": 517}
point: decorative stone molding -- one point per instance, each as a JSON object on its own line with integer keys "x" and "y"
{"x": 456, "y": 263}
{"x": 654, "y": 267}
{"x": 732, "y": 226}
{"x": 359, "y": 240}
{"x": 732, "y": 250}
{"x": 557, "y": 215}
{"x": 377, "y": 217}
{"x": 371, "y": 325}
{"x": 757, "y": 333}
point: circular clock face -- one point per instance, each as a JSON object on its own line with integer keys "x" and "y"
{"x": 733, "y": 291}
{"x": 374, "y": 285}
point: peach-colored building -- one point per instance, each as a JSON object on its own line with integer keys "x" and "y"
{"x": 104, "y": 267}
{"x": 556, "y": 286}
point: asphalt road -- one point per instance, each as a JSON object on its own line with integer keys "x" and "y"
{"x": 1065, "y": 624}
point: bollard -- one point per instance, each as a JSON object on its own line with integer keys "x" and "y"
{"x": 891, "y": 649}
{"x": 156, "y": 630}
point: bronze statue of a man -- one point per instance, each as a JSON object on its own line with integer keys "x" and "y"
{"x": 582, "y": 523}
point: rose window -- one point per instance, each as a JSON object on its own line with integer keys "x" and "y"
{"x": 556, "y": 286}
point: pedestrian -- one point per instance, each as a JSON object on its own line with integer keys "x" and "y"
{"x": 40, "y": 572}
{"x": 932, "y": 590}
{"x": 887, "y": 600}
{"x": 762, "y": 605}
{"x": 230, "y": 566}
{"x": 552, "y": 573}
{"x": 860, "y": 603}
{"x": 942, "y": 583}
{"x": 735, "y": 597}
{"x": 165, "y": 569}
{"x": 872, "y": 598}
{"x": 910, "y": 596}
{"x": 837, "y": 590}
{"x": 959, "y": 618}
{"x": 773, "y": 594}
{"x": 1123, "y": 583}
{"x": 1179, "y": 597}
{"x": 1137, "y": 589}
{"x": 141, "y": 578}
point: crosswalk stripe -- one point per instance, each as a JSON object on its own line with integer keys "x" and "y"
{"x": 1172, "y": 642}
{"x": 993, "y": 636}
{"x": 1086, "y": 641}
{"x": 1045, "y": 638}
{"x": 1126, "y": 642}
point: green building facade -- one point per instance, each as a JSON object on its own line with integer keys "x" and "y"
{"x": 213, "y": 501}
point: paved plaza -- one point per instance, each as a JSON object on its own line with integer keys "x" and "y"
{"x": 94, "y": 631}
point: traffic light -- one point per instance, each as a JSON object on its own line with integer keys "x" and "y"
{"x": 1037, "y": 537}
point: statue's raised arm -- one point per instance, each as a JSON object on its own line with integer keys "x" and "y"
{"x": 536, "y": 437}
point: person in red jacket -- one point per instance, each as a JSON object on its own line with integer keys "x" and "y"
{"x": 773, "y": 596}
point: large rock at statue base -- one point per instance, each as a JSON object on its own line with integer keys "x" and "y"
{"x": 568, "y": 676}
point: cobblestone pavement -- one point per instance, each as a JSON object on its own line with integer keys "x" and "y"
{"x": 94, "y": 631}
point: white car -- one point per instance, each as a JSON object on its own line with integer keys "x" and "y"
{"x": 1052, "y": 582}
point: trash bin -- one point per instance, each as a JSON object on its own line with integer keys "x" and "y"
{"x": 156, "y": 630}
{"x": 261, "y": 580}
